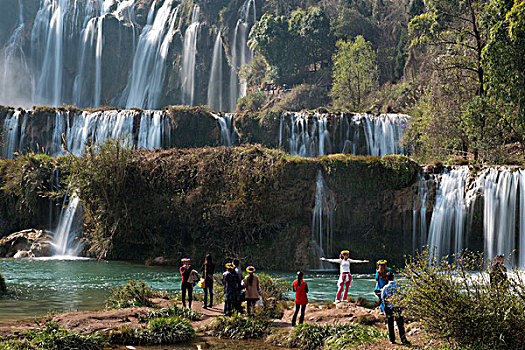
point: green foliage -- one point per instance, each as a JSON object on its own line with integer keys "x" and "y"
{"x": 454, "y": 299}
{"x": 53, "y": 337}
{"x": 238, "y": 327}
{"x": 291, "y": 45}
{"x": 162, "y": 330}
{"x": 252, "y": 102}
{"x": 276, "y": 288}
{"x": 354, "y": 72}
{"x": 339, "y": 336}
{"x": 303, "y": 97}
{"x": 134, "y": 294}
{"x": 172, "y": 311}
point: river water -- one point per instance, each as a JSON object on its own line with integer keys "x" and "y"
{"x": 39, "y": 286}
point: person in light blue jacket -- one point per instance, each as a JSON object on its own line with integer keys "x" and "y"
{"x": 391, "y": 311}
{"x": 381, "y": 279}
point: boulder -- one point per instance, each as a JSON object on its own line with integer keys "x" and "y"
{"x": 27, "y": 243}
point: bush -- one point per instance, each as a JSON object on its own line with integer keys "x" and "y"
{"x": 162, "y": 330}
{"x": 339, "y": 336}
{"x": 251, "y": 102}
{"x": 303, "y": 97}
{"x": 273, "y": 287}
{"x": 133, "y": 294}
{"x": 171, "y": 312}
{"x": 456, "y": 304}
{"x": 237, "y": 327}
{"x": 53, "y": 337}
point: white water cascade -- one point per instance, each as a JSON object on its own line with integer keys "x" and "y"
{"x": 323, "y": 217}
{"x": 228, "y": 132}
{"x": 449, "y": 224}
{"x": 240, "y": 53}
{"x": 188, "y": 59}
{"x": 500, "y": 192}
{"x": 66, "y": 232}
{"x": 419, "y": 215}
{"x": 147, "y": 76}
{"x": 383, "y": 133}
{"x": 215, "y": 82}
{"x": 11, "y": 134}
{"x": 311, "y": 135}
{"x": 153, "y": 127}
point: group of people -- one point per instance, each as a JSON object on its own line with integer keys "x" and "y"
{"x": 239, "y": 288}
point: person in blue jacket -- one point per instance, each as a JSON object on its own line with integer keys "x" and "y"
{"x": 391, "y": 311}
{"x": 381, "y": 279}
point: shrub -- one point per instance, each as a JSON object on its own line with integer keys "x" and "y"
{"x": 170, "y": 312}
{"x": 237, "y": 327}
{"x": 161, "y": 330}
{"x": 251, "y": 102}
{"x": 305, "y": 96}
{"x": 133, "y": 294}
{"x": 273, "y": 287}
{"x": 456, "y": 304}
{"x": 339, "y": 336}
{"x": 53, "y": 337}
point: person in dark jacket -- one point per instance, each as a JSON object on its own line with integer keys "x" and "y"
{"x": 185, "y": 285}
{"x": 300, "y": 288}
{"x": 207, "y": 270}
{"x": 232, "y": 286}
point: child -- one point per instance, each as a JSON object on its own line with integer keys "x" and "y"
{"x": 300, "y": 288}
{"x": 345, "y": 277}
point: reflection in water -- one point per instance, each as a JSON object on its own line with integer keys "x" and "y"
{"x": 39, "y": 286}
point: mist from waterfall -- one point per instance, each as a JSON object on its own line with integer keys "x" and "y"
{"x": 215, "y": 83}
{"x": 240, "y": 53}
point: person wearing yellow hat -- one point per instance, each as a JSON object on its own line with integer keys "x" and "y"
{"x": 381, "y": 279}
{"x": 207, "y": 270}
{"x": 232, "y": 287}
{"x": 345, "y": 277}
{"x": 253, "y": 289}
{"x": 185, "y": 285}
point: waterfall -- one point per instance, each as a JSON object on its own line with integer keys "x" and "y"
{"x": 311, "y": 135}
{"x": 419, "y": 214}
{"x": 65, "y": 234}
{"x": 153, "y": 126}
{"x": 215, "y": 82}
{"x": 11, "y": 134}
{"x": 147, "y": 75}
{"x": 449, "y": 224}
{"x": 522, "y": 220}
{"x": 323, "y": 217}
{"x": 240, "y": 53}
{"x": 228, "y": 132}
{"x": 13, "y": 49}
{"x": 383, "y": 133}
{"x": 188, "y": 59}
{"x": 500, "y": 191}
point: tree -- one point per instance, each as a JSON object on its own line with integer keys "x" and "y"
{"x": 504, "y": 58}
{"x": 355, "y": 72}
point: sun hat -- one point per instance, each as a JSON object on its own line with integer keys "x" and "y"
{"x": 250, "y": 269}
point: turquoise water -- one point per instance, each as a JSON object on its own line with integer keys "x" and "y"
{"x": 37, "y": 287}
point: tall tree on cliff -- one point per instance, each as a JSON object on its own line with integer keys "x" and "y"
{"x": 355, "y": 72}
{"x": 450, "y": 30}
{"x": 504, "y": 58}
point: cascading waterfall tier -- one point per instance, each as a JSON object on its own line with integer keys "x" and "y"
{"x": 66, "y": 232}
{"x": 323, "y": 218}
{"x": 215, "y": 97}
{"x": 188, "y": 59}
{"x": 229, "y": 135}
{"x": 311, "y": 135}
{"x": 457, "y": 191}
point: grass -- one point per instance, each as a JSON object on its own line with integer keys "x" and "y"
{"x": 161, "y": 330}
{"x": 238, "y": 327}
{"x": 133, "y": 294}
{"x": 172, "y": 311}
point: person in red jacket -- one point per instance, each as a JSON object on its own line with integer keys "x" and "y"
{"x": 300, "y": 288}
{"x": 185, "y": 285}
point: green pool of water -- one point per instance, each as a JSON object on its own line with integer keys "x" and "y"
{"x": 37, "y": 287}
